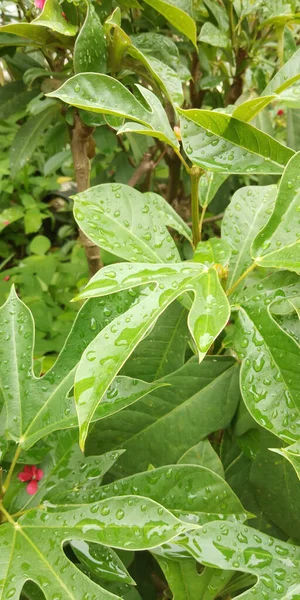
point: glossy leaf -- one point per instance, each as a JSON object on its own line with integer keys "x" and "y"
{"x": 101, "y": 561}
{"x": 90, "y": 46}
{"x": 107, "y": 215}
{"x": 221, "y": 143}
{"x": 183, "y": 489}
{"x": 177, "y": 13}
{"x": 163, "y": 350}
{"x": 271, "y": 359}
{"x": 228, "y": 546}
{"x": 104, "y": 94}
{"x": 292, "y": 453}
{"x": 28, "y": 137}
{"x": 166, "y": 415}
{"x": 105, "y": 356}
{"x": 249, "y": 109}
{"x": 51, "y": 17}
{"x": 278, "y": 244}
{"x": 209, "y": 184}
{"x": 248, "y": 212}
{"x": 213, "y": 252}
{"x": 203, "y": 454}
{"x": 50, "y": 406}
{"x": 30, "y": 31}
{"x": 164, "y": 49}
{"x": 285, "y": 77}
{"x": 28, "y": 552}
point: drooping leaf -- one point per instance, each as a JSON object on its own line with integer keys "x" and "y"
{"x": 163, "y": 350}
{"x": 177, "y": 13}
{"x": 90, "y": 46}
{"x": 36, "y": 406}
{"x": 28, "y": 137}
{"x": 278, "y": 244}
{"x": 52, "y": 17}
{"x": 28, "y": 551}
{"x": 248, "y": 212}
{"x": 221, "y": 143}
{"x": 103, "y": 94}
{"x": 203, "y": 454}
{"x": 271, "y": 358}
{"x": 166, "y": 415}
{"x": 236, "y": 547}
{"x": 105, "y": 356}
{"x": 108, "y": 215}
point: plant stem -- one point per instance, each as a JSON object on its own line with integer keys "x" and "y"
{"x": 11, "y": 470}
{"x": 280, "y": 45}
{"x": 186, "y": 166}
{"x": 238, "y": 281}
{"x": 202, "y": 220}
{"x": 6, "y": 514}
{"x": 195, "y": 173}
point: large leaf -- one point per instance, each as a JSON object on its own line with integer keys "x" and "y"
{"x": 33, "y": 549}
{"x": 248, "y": 212}
{"x": 105, "y": 356}
{"x": 129, "y": 224}
{"x": 90, "y": 46}
{"x": 177, "y": 13}
{"x": 36, "y": 406}
{"x": 163, "y": 350}
{"x": 228, "y": 546}
{"x": 278, "y": 244}
{"x": 104, "y": 94}
{"x": 221, "y": 143}
{"x": 35, "y": 33}
{"x": 176, "y": 414}
{"x": 52, "y": 17}
{"x": 271, "y": 358}
{"x": 28, "y": 137}
{"x": 184, "y": 490}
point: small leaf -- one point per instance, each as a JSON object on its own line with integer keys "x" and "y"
{"x": 203, "y": 454}
{"x": 247, "y": 213}
{"x": 221, "y": 143}
{"x": 40, "y": 245}
{"x": 213, "y": 252}
{"x": 176, "y": 12}
{"x": 28, "y": 137}
{"x": 9, "y": 215}
{"x": 278, "y": 244}
{"x": 90, "y": 46}
{"x": 210, "y": 34}
{"x": 52, "y": 17}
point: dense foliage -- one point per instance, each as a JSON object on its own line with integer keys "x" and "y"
{"x": 149, "y": 333}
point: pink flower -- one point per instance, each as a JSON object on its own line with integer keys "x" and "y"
{"x": 32, "y": 474}
{"x": 39, "y": 4}
{"x": 6, "y": 222}
{"x": 6, "y": 278}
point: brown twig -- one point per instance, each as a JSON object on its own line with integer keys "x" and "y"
{"x": 147, "y": 165}
{"x": 83, "y": 149}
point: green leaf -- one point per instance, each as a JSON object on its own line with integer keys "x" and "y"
{"x": 163, "y": 350}
{"x": 166, "y": 415}
{"x": 221, "y": 143}
{"x": 101, "y": 561}
{"x": 28, "y": 137}
{"x": 33, "y": 549}
{"x": 103, "y": 94}
{"x": 52, "y": 17}
{"x": 107, "y": 215}
{"x": 203, "y": 454}
{"x": 213, "y": 252}
{"x": 228, "y": 546}
{"x": 183, "y": 489}
{"x": 50, "y": 407}
{"x": 210, "y": 34}
{"x": 176, "y": 12}
{"x": 247, "y": 213}
{"x": 9, "y": 215}
{"x": 14, "y": 98}
{"x": 278, "y": 244}
{"x": 40, "y": 245}
{"x": 90, "y": 46}
{"x": 165, "y": 76}
{"x": 164, "y": 49}
{"x": 186, "y": 583}
{"x": 208, "y": 186}
{"x": 285, "y": 77}
{"x": 249, "y": 109}
{"x": 37, "y": 34}
{"x": 56, "y": 162}
{"x": 32, "y": 220}
{"x": 292, "y": 453}
{"x": 271, "y": 358}
{"x": 107, "y": 353}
